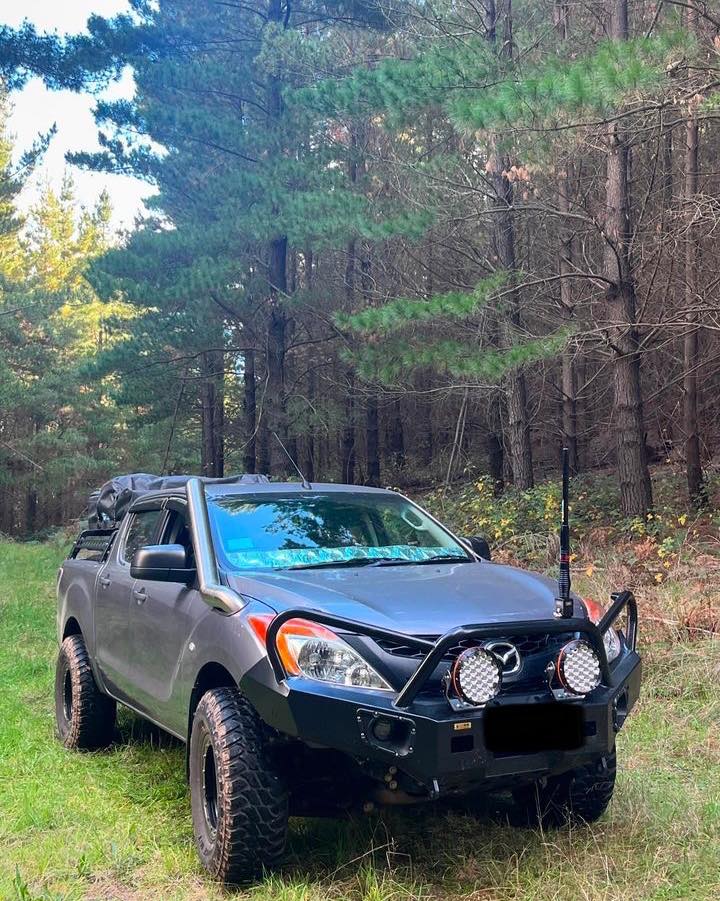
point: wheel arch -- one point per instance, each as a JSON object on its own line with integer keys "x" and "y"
{"x": 72, "y": 627}
{"x": 211, "y": 675}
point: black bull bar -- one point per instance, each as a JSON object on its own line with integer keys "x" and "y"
{"x": 623, "y": 600}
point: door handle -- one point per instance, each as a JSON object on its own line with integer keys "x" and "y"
{"x": 140, "y": 595}
{"x": 104, "y": 583}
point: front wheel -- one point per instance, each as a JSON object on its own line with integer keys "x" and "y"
{"x": 580, "y": 796}
{"x": 85, "y": 716}
{"x": 239, "y": 802}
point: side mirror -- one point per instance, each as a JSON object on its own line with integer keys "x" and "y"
{"x": 478, "y": 545}
{"x": 161, "y": 563}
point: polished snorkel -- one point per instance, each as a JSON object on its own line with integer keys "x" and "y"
{"x": 214, "y": 593}
{"x": 563, "y": 602}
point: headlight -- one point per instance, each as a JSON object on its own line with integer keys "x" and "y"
{"x": 309, "y": 649}
{"x": 611, "y": 639}
{"x": 333, "y": 661}
{"x": 578, "y": 667}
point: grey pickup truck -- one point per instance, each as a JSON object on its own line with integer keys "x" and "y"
{"x": 327, "y": 648}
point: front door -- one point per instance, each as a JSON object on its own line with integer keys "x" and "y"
{"x": 162, "y": 616}
{"x": 113, "y": 596}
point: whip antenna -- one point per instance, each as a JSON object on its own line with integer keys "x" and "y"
{"x": 306, "y": 485}
{"x": 563, "y": 602}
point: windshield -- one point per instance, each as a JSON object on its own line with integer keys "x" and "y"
{"x": 269, "y": 531}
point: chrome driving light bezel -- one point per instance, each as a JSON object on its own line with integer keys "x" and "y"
{"x": 476, "y": 676}
{"x": 578, "y": 667}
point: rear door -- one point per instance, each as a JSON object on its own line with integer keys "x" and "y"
{"x": 162, "y": 617}
{"x": 113, "y": 596}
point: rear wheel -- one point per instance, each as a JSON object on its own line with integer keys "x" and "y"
{"x": 85, "y": 716}
{"x": 239, "y": 802}
{"x": 580, "y": 796}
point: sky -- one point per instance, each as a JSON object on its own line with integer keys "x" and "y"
{"x": 35, "y": 109}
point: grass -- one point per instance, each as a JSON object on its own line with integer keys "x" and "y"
{"x": 115, "y": 826}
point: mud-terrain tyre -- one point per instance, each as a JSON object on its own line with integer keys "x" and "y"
{"x": 85, "y": 717}
{"x": 239, "y": 801}
{"x": 580, "y": 796}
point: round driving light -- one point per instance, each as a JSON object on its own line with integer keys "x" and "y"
{"x": 578, "y": 667}
{"x": 476, "y": 676}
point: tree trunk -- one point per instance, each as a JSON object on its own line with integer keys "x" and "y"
{"x": 566, "y": 266}
{"x": 310, "y": 441}
{"x": 567, "y": 304}
{"x": 372, "y": 425}
{"x": 396, "y": 435}
{"x": 276, "y": 349}
{"x": 212, "y": 400}
{"x": 697, "y": 490}
{"x": 347, "y": 451}
{"x": 504, "y": 240}
{"x": 277, "y": 321}
{"x": 263, "y": 450}
{"x": 373, "y": 440}
{"x": 308, "y": 465}
{"x": 495, "y": 456}
{"x": 348, "y": 455}
{"x": 424, "y": 441}
{"x": 633, "y": 472}
{"x": 249, "y": 412}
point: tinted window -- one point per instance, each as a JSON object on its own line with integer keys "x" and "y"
{"x": 141, "y": 532}
{"x": 176, "y": 532}
{"x": 276, "y": 530}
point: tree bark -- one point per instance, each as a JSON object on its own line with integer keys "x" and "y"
{"x": 310, "y": 440}
{"x": 623, "y": 336}
{"x": 249, "y": 412}
{"x": 212, "y": 400}
{"x": 396, "y": 435}
{"x": 697, "y": 490}
{"x": 372, "y": 431}
{"x": 277, "y": 321}
{"x": 565, "y": 270}
{"x": 348, "y": 433}
{"x": 372, "y": 419}
{"x": 347, "y": 451}
{"x": 276, "y": 349}
{"x": 504, "y": 240}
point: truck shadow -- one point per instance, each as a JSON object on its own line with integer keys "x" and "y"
{"x": 132, "y": 729}
{"x": 404, "y": 844}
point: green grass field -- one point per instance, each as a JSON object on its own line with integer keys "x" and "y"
{"x": 116, "y": 825}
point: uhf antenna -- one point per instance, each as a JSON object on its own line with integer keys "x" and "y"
{"x": 306, "y": 485}
{"x": 563, "y": 602}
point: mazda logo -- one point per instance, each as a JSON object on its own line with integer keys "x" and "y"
{"x": 507, "y": 654}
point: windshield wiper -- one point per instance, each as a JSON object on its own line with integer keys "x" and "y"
{"x": 444, "y": 558}
{"x": 382, "y": 561}
{"x": 438, "y": 558}
{"x": 352, "y": 561}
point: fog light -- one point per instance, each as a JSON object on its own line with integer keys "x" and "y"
{"x": 578, "y": 667}
{"x": 476, "y": 676}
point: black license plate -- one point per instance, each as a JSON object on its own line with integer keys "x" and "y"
{"x": 529, "y": 728}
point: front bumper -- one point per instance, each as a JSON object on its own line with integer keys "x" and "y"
{"x": 445, "y": 751}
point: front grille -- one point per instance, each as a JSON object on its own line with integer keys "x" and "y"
{"x": 527, "y": 645}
